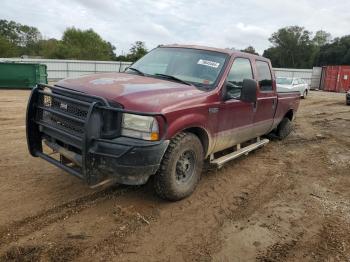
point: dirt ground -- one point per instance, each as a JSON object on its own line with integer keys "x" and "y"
{"x": 289, "y": 201}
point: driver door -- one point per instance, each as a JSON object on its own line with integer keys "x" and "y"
{"x": 235, "y": 116}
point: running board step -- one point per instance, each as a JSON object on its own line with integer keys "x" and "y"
{"x": 219, "y": 162}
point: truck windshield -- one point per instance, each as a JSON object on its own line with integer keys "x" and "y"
{"x": 284, "y": 81}
{"x": 194, "y": 66}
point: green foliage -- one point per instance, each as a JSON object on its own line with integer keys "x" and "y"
{"x": 85, "y": 45}
{"x": 137, "y": 50}
{"x": 275, "y": 56}
{"x": 321, "y": 38}
{"x": 7, "y": 49}
{"x": 49, "y": 49}
{"x": 121, "y": 58}
{"x": 292, "y": 47}
{"x": 18, "y": 34}
{"x": 295, "y": 47}
{"x": 250, "y": 50}
{"x": 335, "y": 53}
{"x": 17, "y": 40}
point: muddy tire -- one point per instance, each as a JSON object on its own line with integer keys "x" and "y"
{"x": 181, "y": 168}
{"x": 284, "y": 128}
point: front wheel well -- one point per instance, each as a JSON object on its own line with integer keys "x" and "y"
{"x": 202, "y": 135}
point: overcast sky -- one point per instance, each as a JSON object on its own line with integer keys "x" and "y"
{"x": 217, "y": 23}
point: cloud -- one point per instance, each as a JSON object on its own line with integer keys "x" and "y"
{"x": 225, "y": 23}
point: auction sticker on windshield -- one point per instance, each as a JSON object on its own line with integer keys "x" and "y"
{"x": 208, "y": 63}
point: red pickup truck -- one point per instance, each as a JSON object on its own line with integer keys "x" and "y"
{"x": 166, "y": 115}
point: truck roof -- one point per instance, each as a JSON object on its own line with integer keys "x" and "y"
{"x": 220, "y": 50}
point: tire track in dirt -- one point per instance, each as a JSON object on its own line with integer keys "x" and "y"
{"x": 126, "y": 223}
{"x": 325, "y": 114}
{"x": 278, "y": 251}
{"x": 240, "y": 209}
{"x": 61, "y": 253}
{"x": 330, "y": 242}
{"x": 317, "y": 239}
{"x": 260, "y": 196}
{"x": 233, "y": 206}
{"x": 70, "y": 247}
{"x": 119, "y": 243}
{"x": 34, "y": 223}
{"x": 327, "y": 243}
{"x": 277, "y": 189}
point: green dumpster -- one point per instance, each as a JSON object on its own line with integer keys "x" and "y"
{"x": 20, "y": 75}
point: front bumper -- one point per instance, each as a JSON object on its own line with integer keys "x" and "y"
{"x": 128, "y": 161}
{"x": 88, "y": 155}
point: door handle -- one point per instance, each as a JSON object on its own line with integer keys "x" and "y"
{"x": 255, "y": 106}
{"x": 273, "y": 103}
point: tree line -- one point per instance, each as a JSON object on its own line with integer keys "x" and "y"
{"x": 291, "y": 46}
{"x": 18, "y": 40}
{"x": 296, "y": 47}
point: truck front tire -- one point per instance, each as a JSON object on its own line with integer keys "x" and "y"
{"x": 181, "y": 167}
{"x": 284, "y": 128}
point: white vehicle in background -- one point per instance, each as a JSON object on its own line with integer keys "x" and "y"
{"x": 289, "y": 84}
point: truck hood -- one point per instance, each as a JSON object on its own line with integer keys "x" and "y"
{"x": 134, "y": 92}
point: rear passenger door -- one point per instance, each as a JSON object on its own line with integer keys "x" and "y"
{"x": 266, "y": 101}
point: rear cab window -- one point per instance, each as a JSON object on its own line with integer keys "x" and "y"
{"x": 264, "y": 76}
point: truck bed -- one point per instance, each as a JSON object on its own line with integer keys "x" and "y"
{"x": 285, "y": 101}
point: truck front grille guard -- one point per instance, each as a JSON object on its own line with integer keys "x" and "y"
{"x": 74, "y": 126}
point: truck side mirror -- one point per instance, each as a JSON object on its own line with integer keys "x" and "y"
{"x": 249, "y": 89}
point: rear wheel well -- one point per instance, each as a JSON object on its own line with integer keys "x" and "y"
{"x": 202, "y": 135}
{"x": 290, "y": 115}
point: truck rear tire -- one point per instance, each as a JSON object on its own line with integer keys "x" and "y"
{"x": 181, "y": 167}
{"x": 284, "y": 128}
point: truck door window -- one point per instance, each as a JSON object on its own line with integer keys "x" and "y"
{"x": 264, "y": 76}
{"x": 241, "y": 69}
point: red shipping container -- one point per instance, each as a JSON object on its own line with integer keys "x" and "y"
{"x": 344, "y": 79}
{"x": 335, "y": 78}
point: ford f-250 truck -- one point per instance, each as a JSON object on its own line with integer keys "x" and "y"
{"x": 167, "y": 114}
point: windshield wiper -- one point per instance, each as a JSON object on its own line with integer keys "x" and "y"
{"x": 137, "y": 71}
{"x": 174, "y": 78}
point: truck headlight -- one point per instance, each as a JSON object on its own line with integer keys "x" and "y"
{"x": 143, "y": 127}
